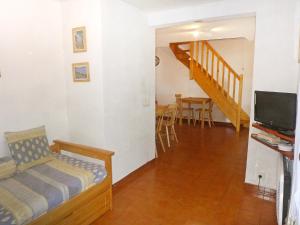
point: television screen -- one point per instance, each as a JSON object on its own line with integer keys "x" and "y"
{"x": 276, "y": 109}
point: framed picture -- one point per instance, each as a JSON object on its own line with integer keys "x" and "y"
{"x": 79, "y": 39}
{"x": 81, "y": 72}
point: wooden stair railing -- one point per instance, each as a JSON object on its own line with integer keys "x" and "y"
{"x": 216, "y": 77}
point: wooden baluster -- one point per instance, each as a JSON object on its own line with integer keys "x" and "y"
{"x": 238, "y": 118}
{"x": 191, "y": 60}
{"x": 197, "y": 54}
{"x": 218, "y": 68}
{"x": 207, "y": 53}
{"x": 223, "y": 74}
{"x": 234, "y": 84}
{"x": 228, "y": 84}
{"x": 202, "y": 56}
{"x": 212, "y": 65}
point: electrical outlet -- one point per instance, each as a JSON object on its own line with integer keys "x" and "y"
{"x": 262, "y": 179}
{"x": 146, "y": 101}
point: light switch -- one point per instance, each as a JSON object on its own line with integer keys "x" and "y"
{"x": 146, "y": 101}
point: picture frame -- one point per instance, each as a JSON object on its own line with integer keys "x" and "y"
{"x": 79, "y": 39}
{"x": 81, "y": 72}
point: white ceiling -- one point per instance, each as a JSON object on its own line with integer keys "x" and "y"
{"x": 157, "y": 5}
{"x": 207, "y": 30}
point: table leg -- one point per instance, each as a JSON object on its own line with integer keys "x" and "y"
{"x": 180, "y": 115}
{"x": 202, "y": 116}
{"x": 189, "y": 119}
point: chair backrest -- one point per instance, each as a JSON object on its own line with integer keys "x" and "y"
{"x": 172, "y": 106}
{"x": 210, "y": 105}
{"x": 168, "y": 118}
{"x": 170, "y": 114}
{"x": 159, "y": 123}
{"x": 178, "y": 99}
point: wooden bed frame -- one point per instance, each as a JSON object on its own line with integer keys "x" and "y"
{"x": 88, "y": 205}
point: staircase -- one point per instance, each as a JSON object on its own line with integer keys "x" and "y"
{"x": 214, "y": 75}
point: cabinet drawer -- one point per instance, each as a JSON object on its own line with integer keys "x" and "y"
{"x": 89, "y": 211}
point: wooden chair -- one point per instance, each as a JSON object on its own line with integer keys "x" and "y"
{"x": 159, "y": 132}
{"x": 206, "y": 115}
{"x": 169, "y": 122}
{"x": 166, "y": 122}
{"x": 190, "y": 111}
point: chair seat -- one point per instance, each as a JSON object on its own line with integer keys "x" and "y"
{"x": 187, "y": 109}
{"x": 205, "y": 114}
{"x": 200, "y": 109}
{"x": 166, "y": 123}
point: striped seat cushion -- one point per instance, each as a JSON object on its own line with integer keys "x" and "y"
{"x": 35, "y": 191}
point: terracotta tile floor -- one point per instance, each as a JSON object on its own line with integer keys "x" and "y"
{"x": 199, "y": 181}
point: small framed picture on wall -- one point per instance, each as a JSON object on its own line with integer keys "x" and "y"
{"x": 81, "y": 72}
{"x": 79, "y": 39}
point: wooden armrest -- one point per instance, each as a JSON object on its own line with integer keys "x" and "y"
{"x": 85, "y": 151}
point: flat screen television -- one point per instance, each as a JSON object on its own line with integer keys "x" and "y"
{"x": 276, "y": 110}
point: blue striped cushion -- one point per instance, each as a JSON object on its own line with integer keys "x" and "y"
{"x": 29, "y": 147}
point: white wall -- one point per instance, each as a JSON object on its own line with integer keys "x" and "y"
{"x": 85, "y": 99}
{"x": 275, "y": 69}
{"x": 275, "y": 64}
{"x": 115, "y": 110}
{"x": 173, "y": 77}
{"x": 128, "y": 63}
{"x": 32, "y": 86}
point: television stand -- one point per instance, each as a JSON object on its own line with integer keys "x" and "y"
{"x": 266, "y": 126}
{"x": 259, "y": 126}
{"x": 288, "y": 154}
{"x": 289, "y": 133}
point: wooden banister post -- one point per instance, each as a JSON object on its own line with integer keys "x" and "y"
{"x": 207, "y": 54}
{"x": 228, "y": 84}
{"x": 202, "y": 56}
{"x": 238, "y": 118}
{"x": 223, "y": 75}
{"x": 234, "y": 84}
{"x": 197, "y": 54}
{"x": 218, "y": 70}
{"x": 212, "y": 65}
{"x": 191, "y": 60}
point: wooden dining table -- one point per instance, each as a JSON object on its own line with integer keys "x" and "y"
{"x": 196, "y": 101}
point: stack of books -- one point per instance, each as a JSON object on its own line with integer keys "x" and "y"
{"x": 268, "y": 138}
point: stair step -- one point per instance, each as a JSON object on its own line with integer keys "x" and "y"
{"x": 244, "y": 121}
{"x": 182, "y": 43}
{"x": 181, "y": 52}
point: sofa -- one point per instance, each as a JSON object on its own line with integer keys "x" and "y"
{"x": 65, "y": 189}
